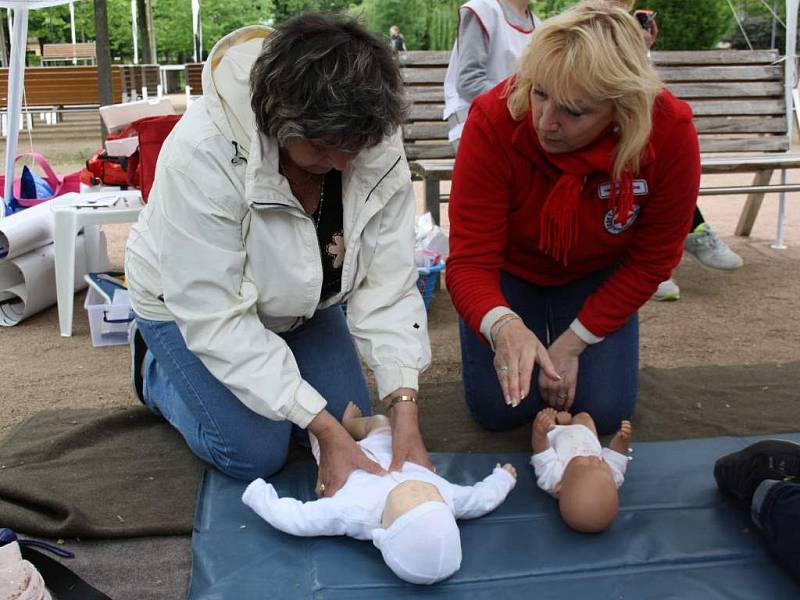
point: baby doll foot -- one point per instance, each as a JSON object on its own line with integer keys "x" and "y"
{"x": 563, "y": 417}
{"x": 351, "y": 411}
{"x": 619, "y": 443}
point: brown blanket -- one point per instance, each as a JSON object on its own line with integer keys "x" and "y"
{"x": 97, "y": 473}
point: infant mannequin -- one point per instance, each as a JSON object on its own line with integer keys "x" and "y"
{"x": 571, "y": 465}
{"x": 410, "y": 515}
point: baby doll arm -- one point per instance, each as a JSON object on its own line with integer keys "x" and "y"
{"x": 471, "y": 501}
{"x": 319, "y": 517}
{"x": 549, "y": 470}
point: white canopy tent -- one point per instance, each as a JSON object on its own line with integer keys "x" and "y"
{"x": 16, "y": 78}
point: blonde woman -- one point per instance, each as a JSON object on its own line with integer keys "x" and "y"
{"x": 573, "y": 190}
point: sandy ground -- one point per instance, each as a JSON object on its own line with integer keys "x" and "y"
{"x": 745, "y": 317}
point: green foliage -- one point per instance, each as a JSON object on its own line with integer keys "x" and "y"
{"x": 443, "y": 25}
{"x": 689, "y": 24}
{"x": 757, "y": 22}
{"x": 547, "y": 8}
{"x": 280, "y": 10}
{"x": 411, "y": 16}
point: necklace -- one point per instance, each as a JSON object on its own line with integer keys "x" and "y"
{"x": 319, "y": 206}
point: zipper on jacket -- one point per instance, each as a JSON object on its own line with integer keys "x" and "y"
{"x": 238, "y": 158}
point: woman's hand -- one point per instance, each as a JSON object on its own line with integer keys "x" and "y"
{"x": 564, "y": 353}
{"x": 407, "y": 444}
{"x": 339, "y": 455}
{"x": 516, "y": 351}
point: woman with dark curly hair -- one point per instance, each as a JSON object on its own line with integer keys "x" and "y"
{"x": 281, "y": 194}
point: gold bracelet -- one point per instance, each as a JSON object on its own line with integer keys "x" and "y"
{"x": 399, "y": 399}
{"x": 499, "y": 324}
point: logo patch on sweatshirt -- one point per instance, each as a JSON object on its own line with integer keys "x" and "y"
{"x": 610, "y": 221}
{"x": 640, "y": 188}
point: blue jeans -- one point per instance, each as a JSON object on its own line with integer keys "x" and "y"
{"x": 776, "y": 511}
{"x": 608, "y": 372}
{"x": 216, "y": 425}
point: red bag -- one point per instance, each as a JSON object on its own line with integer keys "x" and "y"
{"x": 152, "y": 132}
{"x": 59, "y": 185}
{"x": 106, "y": 170}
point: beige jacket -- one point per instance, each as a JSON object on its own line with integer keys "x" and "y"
{"x": 225, "y": 250}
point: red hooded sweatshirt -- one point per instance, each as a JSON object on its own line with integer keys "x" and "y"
{"x": 500, "y": 182}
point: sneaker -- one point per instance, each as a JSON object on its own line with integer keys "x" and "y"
{"x": 138, "y": 351}
{"x": 667, "y": 291}
{"x": 707, "y": 247}
{"x": 739, "y": 474}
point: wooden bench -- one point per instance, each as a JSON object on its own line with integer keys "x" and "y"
{"x": 194, "y": 78}
{"x": 136, "y": 77}
{"x": 73, "y": 86}
{"x": 737, "y": 98}
{"x": 83, "y": 51}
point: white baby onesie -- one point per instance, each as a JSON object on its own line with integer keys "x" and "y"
{"x": 567, "y": 442}
{"x": 357, "y": 507}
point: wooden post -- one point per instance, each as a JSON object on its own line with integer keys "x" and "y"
{"x": 103, "y": 58}
{"x": 151, "y": 28}
{"x": 144, "y": 33}
{"x": 432, "y": 198}
{"x": 752, "y": 205}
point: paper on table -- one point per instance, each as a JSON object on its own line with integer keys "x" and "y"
{"x": 28, "y": 282}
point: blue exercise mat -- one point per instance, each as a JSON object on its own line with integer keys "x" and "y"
{"x": 675, "y": 537}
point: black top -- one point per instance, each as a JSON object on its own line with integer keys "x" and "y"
{"x": 328, "y": 219}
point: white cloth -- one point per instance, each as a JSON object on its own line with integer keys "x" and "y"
{"x": 506, "y": 43}
{"x": 357, "y": 507}
{"x": 225, "y": 250}
{"x": 567, "y": 442}
{"x": 19, "y": 579}
{"x": 423, "y": 545}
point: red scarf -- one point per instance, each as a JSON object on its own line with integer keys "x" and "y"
{"x": 559, "y": 217}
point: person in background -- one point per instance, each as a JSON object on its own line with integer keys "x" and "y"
{"x": 491, "y": 36}
{"x": 702, "y": 242}
{"x": 281, "y": 194}
{"x": 572, "y": 193}
{"x": 396, "y": 40}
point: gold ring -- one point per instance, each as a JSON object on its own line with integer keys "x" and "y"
{"x": 321, "y": 489}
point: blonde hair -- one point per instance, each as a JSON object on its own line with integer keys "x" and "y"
{"x": 592, "y": 50}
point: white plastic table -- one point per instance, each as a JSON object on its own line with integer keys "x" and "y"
{"x": 88, "y": 211}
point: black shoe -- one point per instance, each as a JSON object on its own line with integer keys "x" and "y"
{"x": 138, "y": 351}
{"x": 739, "y": 474}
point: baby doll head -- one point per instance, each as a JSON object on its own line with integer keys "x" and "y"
{"x": 587, "y": 495}
{"x": 420, "y": 540}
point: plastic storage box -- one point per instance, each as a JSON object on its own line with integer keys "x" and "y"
{"x": 427, "y": 280}
{"x": 109, "y": 324}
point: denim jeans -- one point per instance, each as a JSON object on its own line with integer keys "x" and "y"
{"x": 776, "y": 511}
{"x": 608, "y": 372}
{"x": 216, "y": 425}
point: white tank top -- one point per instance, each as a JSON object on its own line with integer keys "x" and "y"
{"x": 506, "y": 43}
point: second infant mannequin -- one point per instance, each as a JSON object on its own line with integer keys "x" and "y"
{"x": 571, "y": 465}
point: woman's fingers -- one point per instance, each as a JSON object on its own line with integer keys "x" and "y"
{"x": 546, "y": 365}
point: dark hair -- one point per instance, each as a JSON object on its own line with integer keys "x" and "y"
{"x": 324, "y": 77}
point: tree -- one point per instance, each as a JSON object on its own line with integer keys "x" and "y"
{"x": 411, "y": 16}
{"x": 280, "y": 10}
{"x": 103, "y": 57}
{"x": 688, "y": 24}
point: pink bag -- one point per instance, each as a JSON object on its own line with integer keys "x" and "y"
{"x": 59, "y": 185}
